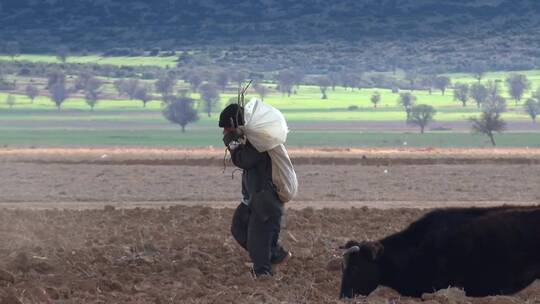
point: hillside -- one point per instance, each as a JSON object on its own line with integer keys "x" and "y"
{"x": 429, "y": 28}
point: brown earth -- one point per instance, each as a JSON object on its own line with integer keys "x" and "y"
{"x": 77, "y": 230}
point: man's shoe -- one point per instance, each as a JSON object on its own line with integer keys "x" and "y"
{"x": 281, "y": 257}
{"x": 261, "y": 274}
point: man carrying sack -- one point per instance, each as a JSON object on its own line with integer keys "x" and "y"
{"x": 256, "y": 223}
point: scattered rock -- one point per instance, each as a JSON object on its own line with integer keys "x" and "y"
{"x": 308, "y": 212}
{"x": 21, "y": 262}
{"x": 42, "y": 267}
{"x": 334, "y": 264}
{"x": 53, "y": 293}
{"x": 385, "y": 292}
{"x": 193, "y": 273}
{"x": 6, "y": 276}
{"x": 499, "y": 300}
{"x": 9, "y": 296}
{"x": 109, "y": 285}
{"x": 447, "y": 296}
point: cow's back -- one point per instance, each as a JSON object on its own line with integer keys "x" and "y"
{"x": 460, "y": 246}
{"x": 498, "y": 253}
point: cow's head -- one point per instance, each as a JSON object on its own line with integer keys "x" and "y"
{"x": 361, "y": 272}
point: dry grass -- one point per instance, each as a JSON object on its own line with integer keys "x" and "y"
{"x": 80, "y": 154}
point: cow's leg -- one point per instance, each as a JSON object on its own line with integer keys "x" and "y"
{"x": 240, "y": 224}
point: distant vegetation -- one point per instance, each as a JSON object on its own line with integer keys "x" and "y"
{"x": 407, "y": 61}
{"x": 431, "y": 36}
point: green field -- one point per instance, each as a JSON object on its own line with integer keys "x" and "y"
{"x": 119, "y": 121}
{"x": 127, "y": 61}
{"x": 208, "y": 137}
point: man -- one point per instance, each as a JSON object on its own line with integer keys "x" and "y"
{"x": 256, "y": 223}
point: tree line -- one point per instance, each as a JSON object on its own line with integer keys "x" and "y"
{"x": 288, "y": 81}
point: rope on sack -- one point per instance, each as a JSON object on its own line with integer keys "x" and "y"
{"x": 241, "y": 104}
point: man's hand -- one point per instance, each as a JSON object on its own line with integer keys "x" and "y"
{"x": 231, "y": 137}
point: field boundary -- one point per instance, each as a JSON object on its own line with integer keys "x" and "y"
{"x": 212, "y": 162}
{"x": 295, "y": 205}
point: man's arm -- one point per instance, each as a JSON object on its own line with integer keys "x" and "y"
{"x": 246, "y": 156}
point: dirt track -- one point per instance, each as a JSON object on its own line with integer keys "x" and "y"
{"x": 30, "y": 182}
{"x": 78, "y": 231}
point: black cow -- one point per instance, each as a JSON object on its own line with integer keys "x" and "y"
{"x": 485, "y": 251}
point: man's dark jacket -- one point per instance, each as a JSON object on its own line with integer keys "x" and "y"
{"x": 257, "y": 185}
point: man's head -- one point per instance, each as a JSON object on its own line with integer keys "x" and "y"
{"x": 361, "y": 272}
{"x": 231, "y": 117}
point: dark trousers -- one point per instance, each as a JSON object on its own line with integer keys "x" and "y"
{"x": 258, "y": 237}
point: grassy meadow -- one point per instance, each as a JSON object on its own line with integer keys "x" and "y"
{"x": 117, "y": 120}
{"x": 96, "y": 59}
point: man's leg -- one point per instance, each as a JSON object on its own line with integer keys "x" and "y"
{"x": 261, "y": 236}
{"x": 240, "y": 223}
{"x": 279, "y": 254}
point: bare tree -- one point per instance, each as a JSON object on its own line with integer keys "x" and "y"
{"x": 143, "y": 94}
{"x": 350, "y": 80}
{"x": 119, "y": 86}
{"x": 222, "y": 79}
{"x": 421, "y": 115}
{"x": 393, "y": 62}
{"x": 285, "y": 80}
{"x": 56, "y": 84}
{"x": 536, "y": 94}
{"x": 194, "y": 78}
{"x": 441, "y": 83}
{"x": 59, "y": 93}
{"x": 55, "y": 77}
{"x": 493, "y": 89}
{"x": 32, "y": 92}
{"x": 91, "y": 98}
{"x": 12, "y": 49}
{"x": 461, "y": 93}
{"x": 82, "y": 80}
{"x": 323, "y": 82}
{"x": 261, "y": 90}
{"x": 375, "y": 98}
{"x": 210, "y": 96}
{"x": 411, "y": 77}
{"x": 335, "y": 79}
{"x": 165, "y": 85}
{"x": 494, "y": 104}
{"x": 532, "y": 107}
{"x": 11, "y": 101}
{"x": 479, "y": 93}
{"x": 298, "y": 77}
{"x": 180, "y": 110}
{"x": 127, "y": 86}
{"x": 92, "y": 89}
{"x": 239, "y": 76}
{"x": 428, "y": 82}
{"x": 62, "y": 54}
{"x": 406, "y": 100}
{"x": 490, "y": 120}
{"x": 488, "y": 123}
{"x": 518, "y": 84}
{"x": 131, "y": 86}
{"x": 478, "y": 71}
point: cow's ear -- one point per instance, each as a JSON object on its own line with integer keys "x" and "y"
{"x": 372, "y": 249}
{"x": 350, "y": 244}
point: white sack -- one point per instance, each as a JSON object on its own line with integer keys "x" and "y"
{"x": 283, "y": 175}
{"x": 264, "y": 126}
{"x": 266, "y": 129}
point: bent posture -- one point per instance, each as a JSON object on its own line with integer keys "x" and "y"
{"x": 485, "y": 251}
{"x": 256, "y": 222}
